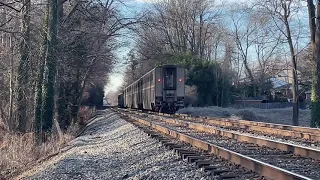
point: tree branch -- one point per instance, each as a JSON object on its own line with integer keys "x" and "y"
{"x": 9, "y": 6}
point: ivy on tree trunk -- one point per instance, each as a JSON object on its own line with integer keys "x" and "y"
{"x": 48, "y": 101}
{"x": 23, "y": 67}
{"x": 314, "y": 24}
{"x": 39, "y": 90}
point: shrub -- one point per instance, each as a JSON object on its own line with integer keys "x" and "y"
{"x": 246, "y": 115}
{"x": 225, "y": 114}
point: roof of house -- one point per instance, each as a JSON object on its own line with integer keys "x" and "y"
{"x": 278, "y": 83}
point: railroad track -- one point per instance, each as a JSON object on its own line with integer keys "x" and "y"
{"x": 216, "y": 167}
{"x": 271, "y": 159}
{"x": 292, "y": 134}
{"x": 281, "y": 144}
{"x": 305, "y": 133}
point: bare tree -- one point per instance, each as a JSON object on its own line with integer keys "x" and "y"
{"x": 283, "y": 10}
{"x": 244, "y": 28}
{"x": 77, "y": 41}
{"x": 173, "y": 27}
{"x": 39, "y": 86}
{"x": 23, "y": 65}
{"x": 266, "y": 41}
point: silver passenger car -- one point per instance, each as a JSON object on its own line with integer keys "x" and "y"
{"x": 161, "y": 89}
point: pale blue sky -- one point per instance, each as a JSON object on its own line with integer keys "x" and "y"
{"x": 132, "y": 7}
{"x": 115, "y": 80}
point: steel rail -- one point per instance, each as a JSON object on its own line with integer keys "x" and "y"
{"x": 312, "y": 134}
{"x": 253, "y": 123}
{"x": 267, "y": 170}
{"x": 307, "y": 133}
{"x": 267, "y": 128}
{"x": 284, "y": 146}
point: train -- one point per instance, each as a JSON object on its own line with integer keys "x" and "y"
{"x": 161, "y": 90}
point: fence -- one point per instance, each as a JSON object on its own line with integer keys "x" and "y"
{"x": 262, "y": 105}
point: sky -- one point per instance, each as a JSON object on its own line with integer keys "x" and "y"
{"x": 116, "y": 77}
{"x": 132, "y": 7}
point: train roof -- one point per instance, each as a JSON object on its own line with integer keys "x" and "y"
{"x": 165, "y": 65}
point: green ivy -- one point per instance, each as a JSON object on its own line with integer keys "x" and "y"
{"x": 315, "y": 114}
{"x": 213, "y": 85}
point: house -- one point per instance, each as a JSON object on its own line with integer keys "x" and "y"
{"x": 308, "y": 96}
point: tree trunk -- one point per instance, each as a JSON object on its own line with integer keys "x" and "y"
{"x": 23, "y": 67}
{"x": 200, "y": 37}
{"x": 312, "y": 26}
{"x": 217, "y": 87}
{"x": 315, "y": 101}
{"x": 61, "y": 100}
{"x": 62, "y": 107}
{"x": 245, "y": 63}
{"x": 39, "y": 87}
{"x": 49, "y": 93}
{"x": 10, "y": 120}
{"x": 295, "y": 114}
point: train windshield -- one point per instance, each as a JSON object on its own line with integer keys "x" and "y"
{"x": 169, "y": 77}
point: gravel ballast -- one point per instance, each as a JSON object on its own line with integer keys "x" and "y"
{"x": 111, "y": 148}
{"x": 291, "y": 140}
{"x": 305, "y": 166}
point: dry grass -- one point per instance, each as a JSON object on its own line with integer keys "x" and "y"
{"x": 85, "y": 113}
{"x": 19, "y": 152}
{"x": 281, "y": 116}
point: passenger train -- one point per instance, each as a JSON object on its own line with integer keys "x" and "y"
{"x": 161, "y": 90}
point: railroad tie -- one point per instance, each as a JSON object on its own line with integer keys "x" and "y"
{"x": 186, "y": 155}
{"x": 162, "y": 139}
{"x": 152, "y": 135}
{"x": 227, "y": 176}
{"x": 201, "y": 163}
{"x": 192, "y": 159}
{"x": 182, "y": 151}
{"x": 177, "y": 150}
{"x": 220, "y": 171}
{"x": 147, "y": 131}
{"x": 171, "y": 145}
{"x": 210, "y": 168}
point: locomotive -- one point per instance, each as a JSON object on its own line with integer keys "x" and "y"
{"x": 161, "y": 90}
